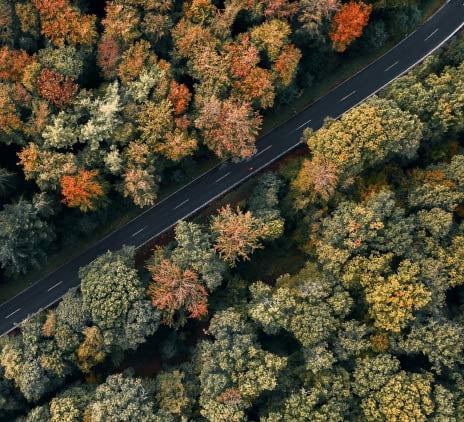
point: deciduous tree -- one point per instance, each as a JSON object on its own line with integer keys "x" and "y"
{"x": 82, "y": 191}
{"x": 173, "y": 289}
{"x": 237, "y": 234}
{"x": 348, "y": 24}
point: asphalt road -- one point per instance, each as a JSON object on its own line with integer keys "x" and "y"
{"x": 447, "y": 21}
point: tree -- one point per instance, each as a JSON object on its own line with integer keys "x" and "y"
{"x": 47, "y": 168}
{"x": 108, "y": 56}
{"x": 171, "y": 393}
{"x": 25, "y": 237}
{"x": 115, "y": 299}
{"x": 234, "y": 369}
{"x": 376, "y": 225}
{"x": 229, "y": 128}
{"x": 122, "y": 398}
{"x": 439, "y": 340}
{"x": 82, "y": 191}
{"x": 140, "y": 184}
{"x": 308, "y": 305}
{"x": 173, "y": 289}
{"x": 317, "y": 178}
{"x": 195, "y": 250}
{"x": 367, "y": 135}
{"x": 10, "y": 121}
{"x": 405, "y": 396}
{"x": 237, "y": 234}
{"x": 392, "y": 298}
{"x": 66, "y": 60}
{"x": 179, "y": 96}
{"x": 91, "y": 351}
{"x": 313, "y": 13}
{"x": 270, "y": 38}
{"x": 286, "y": 64}
{"x": 55, "y": 87}
{"x": 348, "y": 24}
{"x": 6, "y": 181}
{"x": 60, "y": 22}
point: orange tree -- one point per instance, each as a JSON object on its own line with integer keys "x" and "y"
{"x": 348, "y": 24}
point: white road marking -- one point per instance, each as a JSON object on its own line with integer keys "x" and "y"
{"x": 17, "y": 310}
{"x": 347, "y": 96}
{"x": 139, "y": 231}
{"x": 304, "y": 124}
{"x": 55, "y": 285}
{"x": 433, "y": 33}
{"x": 391, "y": 66}
{"x": 182, "y": 203}
{"x": 222, "y": 177}
{"x": 264, "y": 150}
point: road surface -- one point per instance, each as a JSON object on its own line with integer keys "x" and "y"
{"x": 183, "y": 203}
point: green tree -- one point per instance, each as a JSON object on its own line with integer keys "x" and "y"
{"x": 122, "y": 398}
{"x": 25, "y": 236}
{"x": 234, "y": 370}
{"x": 368, "y": 135}
{"x": 113, "y": 295}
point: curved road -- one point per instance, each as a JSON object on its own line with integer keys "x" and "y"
{"x": 162, "y": 216}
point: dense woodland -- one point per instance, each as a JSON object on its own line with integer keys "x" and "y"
{"x": 333, "y": 292}
{"x": 103, "y": 102}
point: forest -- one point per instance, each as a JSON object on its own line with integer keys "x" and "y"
{"x": 104, "y": 103}
{"x": 329, "y": 288}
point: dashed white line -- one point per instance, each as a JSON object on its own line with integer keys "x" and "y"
{"x": 391, "y": 66}
{"x": 139, "y": 231}
{"x": 264, "y": 150}
{"x": 433, "y": 33}
{"x": 182, "y": 203}
{"x": 55, "y": 285}
{"x": 17, "y": 310}
{"x": 222, "y": 177}
{"x": 304, "y": 124}
{"x": 347, "y": 96}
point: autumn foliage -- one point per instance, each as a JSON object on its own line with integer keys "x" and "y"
{"x": 348, "y": 24}
{"x": 237, "y": 234}
{"x": 81, "y": 191}
{"x": 55, "y": 87}
{"x": 180, "y": 96}
{"x": 13, "y": 64}
{"x": 173, "y": 289}
{"x": 63, "y": 23}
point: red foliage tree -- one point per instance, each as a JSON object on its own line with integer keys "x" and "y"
{"x": 108, "y": 56}
{"x": 81, "y": 191}
{"x": 55, "y": 87}
{"x": 180, "y": 96}
{"x": 173, "y": 289}
{"x": 348, "y": 24}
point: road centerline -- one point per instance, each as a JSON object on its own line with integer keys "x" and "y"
{"x": 139, "y": 231}
{"x": 433, "y": 33}
{"x": 182, "y": 203}
{"x": 55, "y": 285}
{"x": 262, "y": 151}
{"x": 347, "y": 96}
{"x": 222, "y": 177}
{"x": 304, "y": 124}
{"x": 9, "y": 315}
{"x": 391, "y": 66}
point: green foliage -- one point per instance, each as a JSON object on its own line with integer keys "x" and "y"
{"x": 115, "y": 299}
{"x": 368, "y": 135}
{"x": 25, "y": 236}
